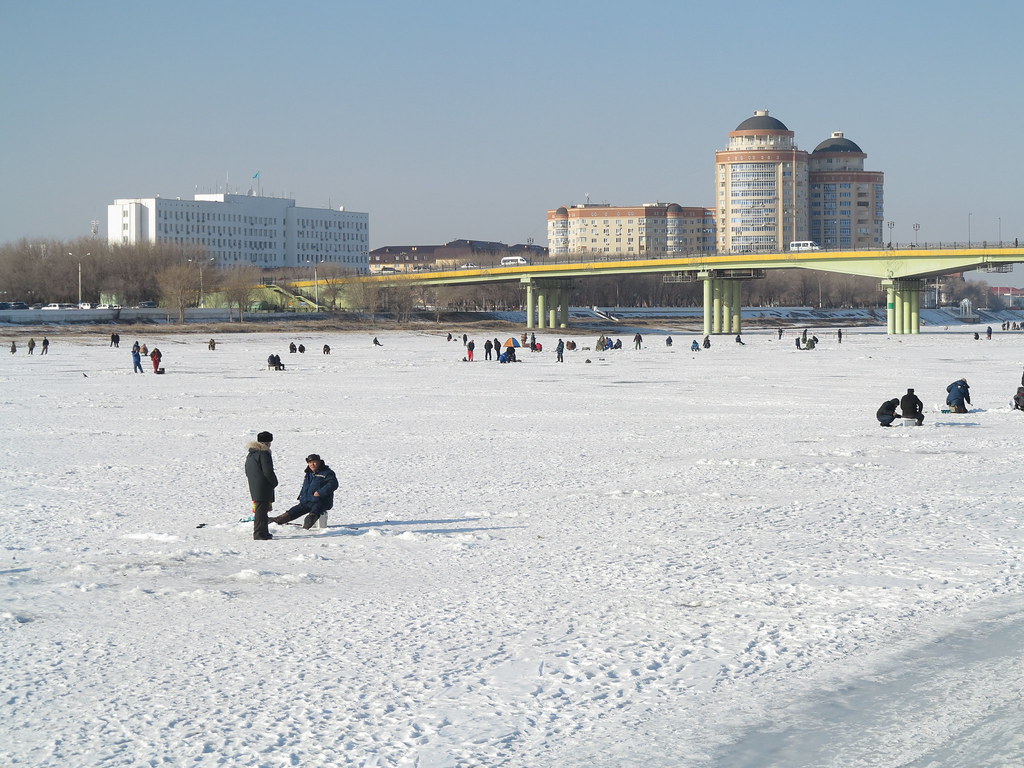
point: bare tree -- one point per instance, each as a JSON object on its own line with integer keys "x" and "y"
{"x": 178, "y": 285}
{"x": 239, "y": 285}
{"x": 364, "y": 296}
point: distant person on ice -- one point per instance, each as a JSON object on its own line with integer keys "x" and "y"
{"x": 912, "y": 407}
{"x": 259, "y": 471}
{"x": 316, "y": 496}
{"x": 695, "y": 347}
{"x": 156, "y": 356}
{"x": 638, "y": 341}
{"x": 1018, "y": 399}
{"x": 376, "y": 342}
{"x": 136, "y": 359}
{"x": 886, "y": 414}
{"x": 959, "y": 394}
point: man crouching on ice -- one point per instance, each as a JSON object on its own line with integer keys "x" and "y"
{"x": 316, "y": 496}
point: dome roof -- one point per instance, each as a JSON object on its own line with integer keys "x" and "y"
{"x": 675, "y": 208}
{"x": 761, "y": 121}
{"x": 836, "y": 143}
{"x": 561, "y": 211}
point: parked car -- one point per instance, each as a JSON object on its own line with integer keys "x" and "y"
{"x": 471, "y": 265}
{"x": 85, "y": 305}
{"x": 108, "y": 306}
{"x": 4, "y": 305}
{"x": 147, "y": 305}
{"x": 388, "y": 271}
{"x": 36, "y": 306}
{"x": 60, "y": 306}
{"x": 19, "y": 305}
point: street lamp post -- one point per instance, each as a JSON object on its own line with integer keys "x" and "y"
{"x": 999, "y": 219}
{"x": 891, "y": 224}
{"x": 969, "y": 229}
{"x": 316, "y": 282}
{"x": 201, "y": 264}
{"x": 917, "y": 228}
{"x": 79, "y": 275}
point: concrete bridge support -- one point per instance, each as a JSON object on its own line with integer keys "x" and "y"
{"x": 722, "y": 305}
{"x": 547, "y": 303}
{"x": 903, "y": 306}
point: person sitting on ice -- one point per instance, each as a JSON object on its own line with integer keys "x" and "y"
{"x": 912, "y": 407}
{"x": 316, "y": 496}
{"x": 886, "y": 414}
{"x": 695, "y": 347}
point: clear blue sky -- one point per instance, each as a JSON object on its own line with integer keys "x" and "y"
{"x": 470, "y": 119}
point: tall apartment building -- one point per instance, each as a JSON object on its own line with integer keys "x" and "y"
{"x": 770, "y": 193}
{"x": 238, "y": 229}
{"x": 761, "y": 187}
{"x": 651, "y": 230}
{"x": 846, "y": 202}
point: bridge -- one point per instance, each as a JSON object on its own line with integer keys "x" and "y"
{"x": 902, "y": 273}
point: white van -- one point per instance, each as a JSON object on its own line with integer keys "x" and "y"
{"x": 514, "y": 261}
{"x": 804, "y": 245}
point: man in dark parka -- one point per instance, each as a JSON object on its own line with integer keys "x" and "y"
{"x": 317, "y": 495}
{"x": 259, "y": 471}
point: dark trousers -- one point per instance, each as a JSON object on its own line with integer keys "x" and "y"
{"x": 260, "y": 518}
{"x": 311, "y": 509}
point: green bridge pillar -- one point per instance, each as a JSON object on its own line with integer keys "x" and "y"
{"x": 737, "y": 306}
{"x": 542, "y": 301}
{"x": 716, "y": 310}
{"x": 902, "y": 306}
{"x": 707, "y": 305}
{"x": 530, "y": 308}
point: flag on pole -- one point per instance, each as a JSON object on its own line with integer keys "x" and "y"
{"x": 256, "y": 175}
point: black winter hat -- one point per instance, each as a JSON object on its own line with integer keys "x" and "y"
{"x": 264, "y": 437}
{"x": 312, "y": 457}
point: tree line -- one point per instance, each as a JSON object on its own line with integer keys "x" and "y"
{"x": 179, "y": 277}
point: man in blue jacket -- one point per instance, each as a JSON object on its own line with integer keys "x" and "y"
{"x": 316, "y": 496}
{"x": 959, "y": 393}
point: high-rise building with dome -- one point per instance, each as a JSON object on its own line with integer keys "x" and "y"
{"x": 760, "y": 187}
{"x": 770, "y": 193}
{"x": 846, "y": 202}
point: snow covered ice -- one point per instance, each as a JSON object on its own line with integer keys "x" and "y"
{"x": 660, "y": 558}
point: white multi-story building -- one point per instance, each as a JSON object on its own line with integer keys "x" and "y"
{"x": 238, "y": 229}
{"x": 651, "y": 230}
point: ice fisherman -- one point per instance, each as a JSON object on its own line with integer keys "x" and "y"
{"x": 912, "y": 407}
{"x": 886, "y": 414}
{"x": 316, "y": 496}
{"x": 959, "y": 394}
{"x": 259, "y": 471}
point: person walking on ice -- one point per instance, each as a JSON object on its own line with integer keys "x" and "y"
{"x": 316, "y": 496}
{"x": 136, "y": 359}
